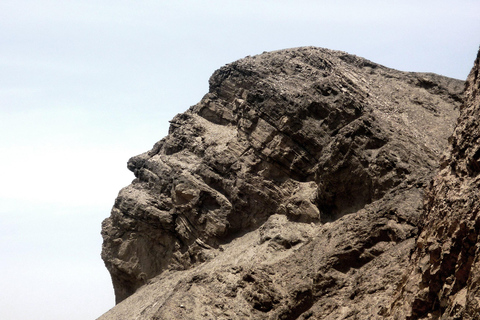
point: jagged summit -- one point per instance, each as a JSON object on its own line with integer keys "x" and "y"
{"x": 292, "y": 189}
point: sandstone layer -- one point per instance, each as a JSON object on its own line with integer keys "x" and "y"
{"x": 293, "y": 189}
{"x": 443, "y": 279}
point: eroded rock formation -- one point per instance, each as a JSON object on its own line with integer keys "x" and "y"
{"x": 293, "y": 189}
{"x": 443, "y": 279}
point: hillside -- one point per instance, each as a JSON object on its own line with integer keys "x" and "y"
{"x": 293, "y": 190}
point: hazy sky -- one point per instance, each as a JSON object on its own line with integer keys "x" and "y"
{"x": 84, "y": 85}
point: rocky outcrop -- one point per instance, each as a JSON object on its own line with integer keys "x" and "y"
{"x": 443, "y": 279}
{"x": 293, "y": 189}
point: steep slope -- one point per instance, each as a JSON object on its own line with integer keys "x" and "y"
{"x": 292, "y": 189}
{"x": 443, "y": 281}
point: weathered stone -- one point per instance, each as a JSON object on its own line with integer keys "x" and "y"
{"x": 293, "y": 189}
{"x": 442, "y": 280}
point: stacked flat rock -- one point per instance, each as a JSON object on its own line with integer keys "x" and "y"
{"x": 292, "y": 190}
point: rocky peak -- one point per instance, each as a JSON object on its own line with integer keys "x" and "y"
{"x": 292, "y": 189}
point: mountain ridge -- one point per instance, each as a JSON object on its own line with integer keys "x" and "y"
{"x": 296, "y": 153}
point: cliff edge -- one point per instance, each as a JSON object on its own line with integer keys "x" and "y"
{"x": 292, "y": 190}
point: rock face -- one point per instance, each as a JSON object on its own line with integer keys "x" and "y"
{"x": 443, "y": 279}
{"x": 293, "y": 189}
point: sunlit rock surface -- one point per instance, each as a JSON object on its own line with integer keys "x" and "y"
{"x": 293, "y": 189}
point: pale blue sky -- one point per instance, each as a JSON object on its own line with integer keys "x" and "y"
{"x": 85, "y": 84}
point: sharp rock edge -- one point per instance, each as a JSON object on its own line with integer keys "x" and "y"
{"x": 292, "y": 190}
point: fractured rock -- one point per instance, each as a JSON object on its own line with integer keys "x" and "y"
{"x": 293, "y": 189}
{"x": 442, "y": 280}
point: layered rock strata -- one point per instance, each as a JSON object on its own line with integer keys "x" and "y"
{"x": 443, "y": 278}
{"x": 293, "y": 189}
